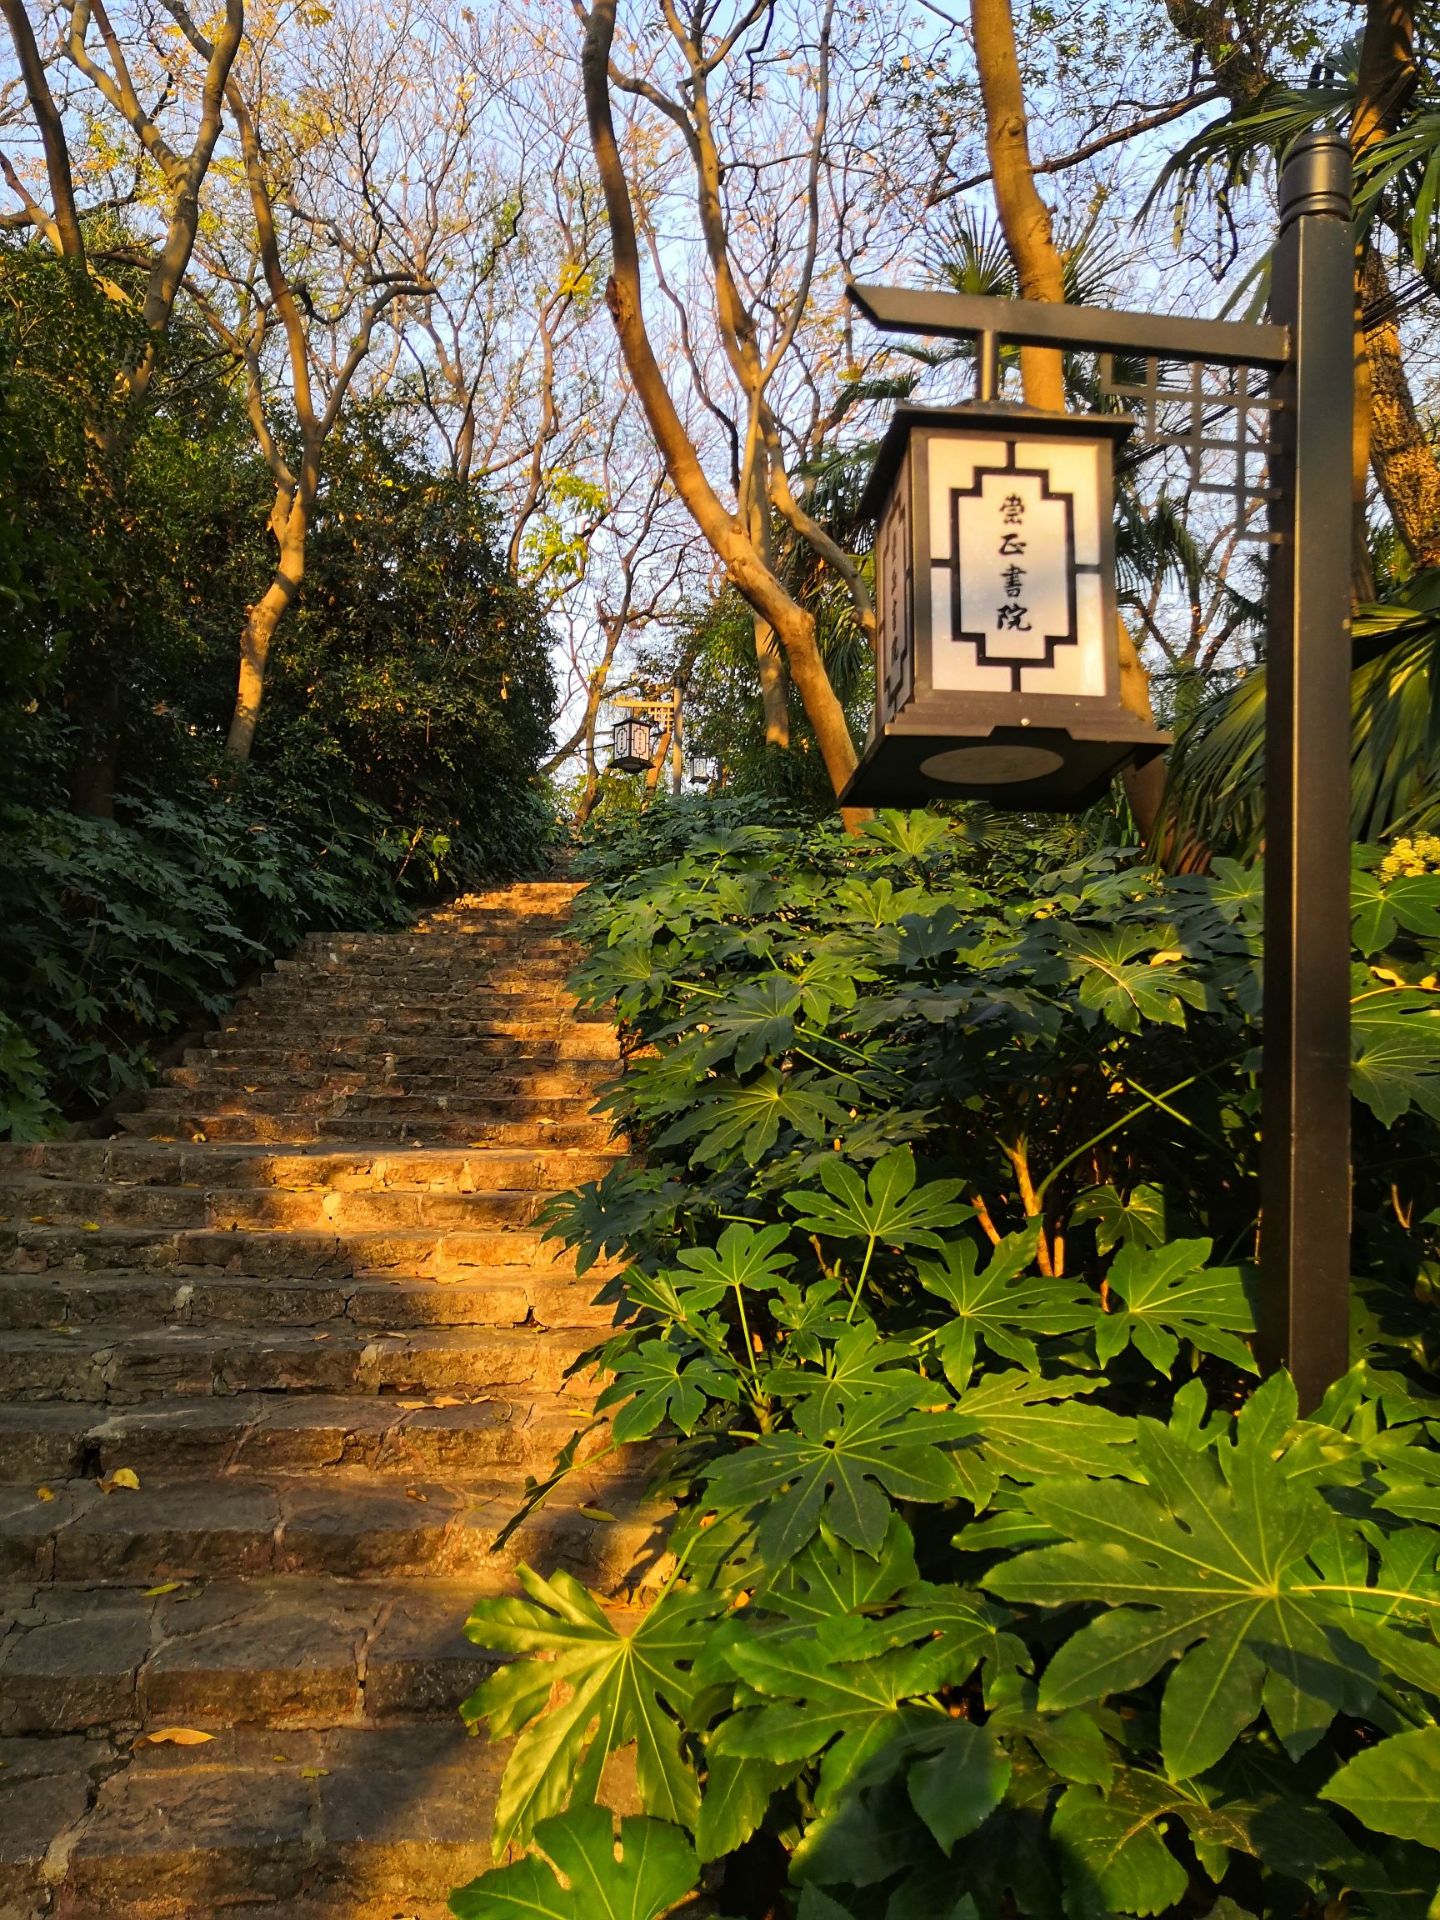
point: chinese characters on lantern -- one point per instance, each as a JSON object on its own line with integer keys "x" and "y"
{"x": 1011, "y": 617}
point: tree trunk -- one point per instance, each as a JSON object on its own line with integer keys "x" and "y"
{"x": 771, "y": 669}
{"x": 1025, "y": 222}
{"x": 726, "y": 532}
{"x": 258, "y": 633}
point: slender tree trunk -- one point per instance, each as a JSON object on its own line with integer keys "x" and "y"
{"x": 261, "y": 621}
{"x": 1025, "y": 222}
{"x": 771, "y": 668}
{"x": 727, "y": 532}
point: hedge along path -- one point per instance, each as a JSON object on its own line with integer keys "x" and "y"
{"x": 303, "y": 1301}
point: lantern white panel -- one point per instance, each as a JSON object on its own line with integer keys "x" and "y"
{"x": 1015, "y": 590}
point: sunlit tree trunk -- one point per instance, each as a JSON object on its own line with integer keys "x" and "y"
{"x": 1025, "y": 222}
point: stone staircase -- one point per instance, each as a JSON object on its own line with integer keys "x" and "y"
{"x": 304, "y": 1300}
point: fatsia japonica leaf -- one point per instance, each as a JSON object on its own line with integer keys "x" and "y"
{"x": 1114, "y": 1849}
{"x": 1205, "y": 1564}
{"x": 1168, "y": 1294}
{"x": 1004, "y": 1305}
{"x": 622, "y": 1687}
{"x": 1395, "y": 1051}
{"x": 1394, "y": 1787}
{"x": 831, "y": 1580}
{"x": 1139, "y": 1216}
{"x": 886, "y": 1208}
{"x": 584, "y": 1875}
{"x": 755, "y": 1022}
{"x": 652, "y": 1384}
{"x": 844, "y": 1466}
{"x": 1023, "y": 1427}
{"x": 744, "y": 1257}
{"x": 746, "y": 1120}
{"x": 1124, "y": 989}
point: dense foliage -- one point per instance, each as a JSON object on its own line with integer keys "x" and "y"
{"x": 1000, "y": 1585}
{"x": 142, "y": 875}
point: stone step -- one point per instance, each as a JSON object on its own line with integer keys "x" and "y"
{"x": 443, "y": 1434}
{"x": 292, "y": 1129}
{"x": 108, "y": 1365}
{"x": 497, "y": 1297}
{"x": 344, "y": 1824}
{"x": 224, "y": 1654}
{"x": 166, "y": 1163}
{"x": 49, "y": 1202}
{"x": 398, "y": 1252}
{"x": 380, "y": 1079}
{"x": 262, "y": 1043}
{"x": 344, "y": 1523}
{"x": 375, "y": 1105}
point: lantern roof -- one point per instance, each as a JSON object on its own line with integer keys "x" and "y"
{"x": 998, "y": 416}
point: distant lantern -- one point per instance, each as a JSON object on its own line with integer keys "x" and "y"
{"x": 632, "y": 746}
{"x": 703, "y": 769}
{"x": 997, "y": 671}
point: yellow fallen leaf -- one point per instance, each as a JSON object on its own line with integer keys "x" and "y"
{"x": 121, "y": 1477}
{"x": 44, "y": 1493}
{"x": 596, "y": 1513}
{"x": 313, "y": 1773}
{"x": 91, "y": 1226}
{"x": 39, "y": 1219}
{"x": 414, "y": 1493}
{"x": 165, "y": 1586}
{"x": 174, "y": 1737}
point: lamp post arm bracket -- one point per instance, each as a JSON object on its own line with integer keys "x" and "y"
{"x": 1042, "y": 323}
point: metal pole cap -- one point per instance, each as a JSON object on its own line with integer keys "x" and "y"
{"x": 1315, "y": 177}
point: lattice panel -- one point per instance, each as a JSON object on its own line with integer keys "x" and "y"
{"x": 1218, "y": 416}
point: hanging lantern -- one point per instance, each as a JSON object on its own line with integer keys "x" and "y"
{"x": 631, "y": 746}
{"x": 704, "y": 768}
{"x": 997, "y": 662}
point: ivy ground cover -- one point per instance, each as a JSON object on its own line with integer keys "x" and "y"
{"x": 1002, "y": 1585}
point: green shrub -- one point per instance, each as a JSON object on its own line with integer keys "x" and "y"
{"x": 1002, "y": 1587}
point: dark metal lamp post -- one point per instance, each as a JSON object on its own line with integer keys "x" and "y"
{"x": 1011, "y": 694}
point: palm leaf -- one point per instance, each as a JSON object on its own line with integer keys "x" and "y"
{"x": 1215, "y": 792}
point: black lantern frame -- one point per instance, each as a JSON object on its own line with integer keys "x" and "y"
{"x": 632, "y": 745}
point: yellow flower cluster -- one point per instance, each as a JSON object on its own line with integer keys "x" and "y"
{"x": 1420, "y": 855}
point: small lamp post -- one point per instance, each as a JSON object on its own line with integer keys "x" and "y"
{"x": 997, "y": 657}
{"x": 632, "y": 745}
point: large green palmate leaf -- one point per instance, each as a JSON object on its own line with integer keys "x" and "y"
{"x": 1023, "y": 1427}
{"x": 1395, "y": 1051}
{"x": 844, "y": 1464}
{"x": 746, "y": 1120}
{"x": 1003, "y": 1306}
{"x": 1205, "y": 1565}
{"x": 1113, "y": 1843}
{"x": 886, "y": 1208}
{"x": 653, "y": 1867}
{"x": 1125, "y": 990}
{"x": 622, "y": 1687}
{"x": 755, "y": 1022}
{"x": 1394, "y": 1787}
{"x": 1167, "y": 1295}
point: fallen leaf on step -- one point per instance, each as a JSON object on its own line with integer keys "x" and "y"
{"x": 173, "y": 1737}
{"x": 194, "y": 1136}
{"x": 165, "y": 1586}
{"x": 282, "y": 1758}
{"x": 447, "y": 1400}
{"x": 91, "y": 1226}
{"x": 44, "y": 1493}
{"x": 409, "y": 1406}
{"x": 313, "y": 1773}
{"x": 39, "y": 1219}
{"x": 414, "y": 1493}
{"x": 121, "y": 1477}
{"x": 596, "y": 1513}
